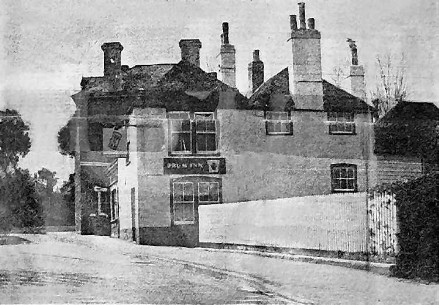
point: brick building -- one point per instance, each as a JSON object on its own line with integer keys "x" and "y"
{"x": 165, "y": 139}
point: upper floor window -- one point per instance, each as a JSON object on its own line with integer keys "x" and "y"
{"x": 278, "y": 123}
{"x": 341, "y": 123}
{"x": 344, "y": 177}
{"x": 192, "y": 133}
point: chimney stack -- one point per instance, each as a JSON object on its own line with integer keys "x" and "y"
{"x": 255, "y": 72}
{"x": 112, "y": 63}
{"x": 190, "y": 51}
{"x": 228, "y": 61}
{"x": 305, "y": 71}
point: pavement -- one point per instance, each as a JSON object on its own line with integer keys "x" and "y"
{"x": 259, "y": 278}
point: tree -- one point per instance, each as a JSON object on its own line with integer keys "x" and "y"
{"x": 14, "y": 139}
{"x": 68, "y": 196}
{"x": 64, "y": 141}
{"x": 392, "y": 84}
{"x": 19, "y": 201}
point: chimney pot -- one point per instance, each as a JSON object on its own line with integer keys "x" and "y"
{"x": 255, "y": 72}
{"x": 225, "y": 35}
{"x": 293, "y": 22}
{"x": 256, "y": 55}
{"x": 302, "y": 15}
{"x": 311, "y": 23}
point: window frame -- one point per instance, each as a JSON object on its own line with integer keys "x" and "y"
{"x": 336, "y": 180}
{"x": 193, "y": 151}
{"x": 287, "y": 121}
{"x": 333, "y": 124}
{"x": 195, "y": 180}
{"x": 208, "y": 201}
{"x": 183, "y": 202}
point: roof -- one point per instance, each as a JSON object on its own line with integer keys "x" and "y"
{"x": 334, "y": 98}
{"x": 180, "y": 86}
{"x": 408, "y": 129}
{"x": 406, "y": 111}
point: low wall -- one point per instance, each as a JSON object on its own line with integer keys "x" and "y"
{"x": 335, "y": 222}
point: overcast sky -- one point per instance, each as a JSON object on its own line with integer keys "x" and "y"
{"x": 49, "y": 45}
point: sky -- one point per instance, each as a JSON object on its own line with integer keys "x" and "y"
{"x": 47, "y": 46}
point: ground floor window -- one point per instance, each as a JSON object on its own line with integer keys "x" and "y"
{"x": 114, "y": 205}
{"x": 189, "y": 192}
{"x": 344, "y": 177}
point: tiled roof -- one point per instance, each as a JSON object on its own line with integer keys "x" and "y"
{"x": 333, "y": 97}
{"x": 178, "y": 86}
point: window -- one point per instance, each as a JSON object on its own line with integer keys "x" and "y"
{"x": 187, "y": 193}
{"x": 208, "y": 192}
{"x": 114, "y": 205}
{"x": 181, "y": 132}
{"x": 341, "y": 123}
{"x": 192, "y": 133}
{"x": 183, "y": 202}
{"x": 205, "y": 132}
{"x": 344, "y": 177}
{"x": 278, "y": 123}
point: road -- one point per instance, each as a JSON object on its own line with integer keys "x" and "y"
{"x": 63, "y": 268}
{"x": 70, "y": 268}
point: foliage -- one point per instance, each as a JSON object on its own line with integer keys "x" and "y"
{"x": 68, "y": 197}
{"x": 64, "y": 140}
{"x": 392, "y": 84}
{"x": 418, "y": 219}
{"x": 14, "y": 138}
{"x": 20, "y": 206}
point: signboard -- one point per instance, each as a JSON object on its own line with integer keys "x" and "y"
{"x": 114, "y": 141}
{"x": 188, "y": 166}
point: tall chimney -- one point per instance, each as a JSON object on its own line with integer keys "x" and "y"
{"x": 356, "y": 73}
{"x": 255, "y": 72}
{"x": 190, "y": 51}
{"x": 302, "y": 15}
{"x": 305, "y": 71}
{"x": 228, "y": 61}
{"x": 112, "y": 63}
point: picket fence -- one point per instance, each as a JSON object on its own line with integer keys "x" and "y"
{"x": 382, "y": 223}
{"x": 336, "y": 222}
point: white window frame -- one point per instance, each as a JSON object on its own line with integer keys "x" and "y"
{"x": 286, "y": 122}
{"x": 196, "y": 119}
{"x": 348, "y": 167}
{"x": 172, "y": 132}
{"x": 208, "y": 189}
{"x": 180, "y": 222}
{"x": 193, "y": 118}
{"x": 338, "y": 118}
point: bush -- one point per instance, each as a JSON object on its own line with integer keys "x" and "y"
{"x": 20, "y": 205}
{"x": 418, "y": 238}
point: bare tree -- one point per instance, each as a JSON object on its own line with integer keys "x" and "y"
{"x": 391, "y": 84}
{"x": 338, "y": 76}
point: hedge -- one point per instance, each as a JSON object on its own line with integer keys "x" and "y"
{"x": 417, "y": 204}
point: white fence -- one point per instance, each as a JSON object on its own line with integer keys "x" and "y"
{"x": 335, "y": 222}
{"x": 383, "y": 225}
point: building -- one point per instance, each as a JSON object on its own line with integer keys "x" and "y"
{"x": 406, "y": 141}
{"x": 157, "y": 143}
